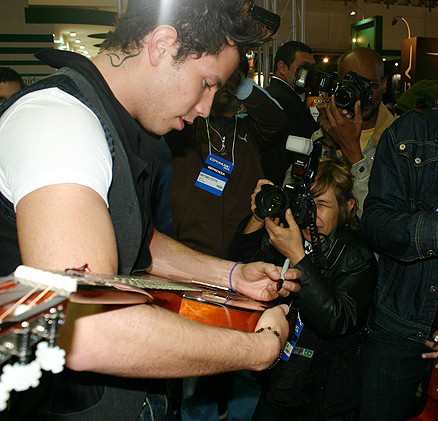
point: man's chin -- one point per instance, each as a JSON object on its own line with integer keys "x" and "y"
{"x": 368, "y": 113}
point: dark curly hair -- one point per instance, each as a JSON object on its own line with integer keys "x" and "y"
{"x": 10, "y": 75}
{"x": 203, "y": 26}
{"x": 287, "y": 53}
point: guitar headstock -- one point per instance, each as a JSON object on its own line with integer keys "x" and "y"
{"x": 32, "y": 304}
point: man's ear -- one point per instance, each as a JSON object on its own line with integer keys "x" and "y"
{"x": 384, "y": 84}
{"x": 282, "y": 68}
{"x": 161, "y": 42}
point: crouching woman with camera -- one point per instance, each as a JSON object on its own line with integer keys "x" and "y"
{"x": 320, "y": 380}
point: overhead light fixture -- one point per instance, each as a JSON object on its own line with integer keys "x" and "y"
{"x": 325, "y": 60}
{"x": 77, "y": 41}
{"x": 72, "y": 34}
{"x": 82, "y": 47}
{"x": 355, "y": 9}
{"x": 395, "y": 20}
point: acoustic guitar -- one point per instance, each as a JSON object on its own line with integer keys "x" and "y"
{"x": 33, "y": 306}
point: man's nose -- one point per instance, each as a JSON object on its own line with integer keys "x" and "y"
{"x": 203, "y": 107}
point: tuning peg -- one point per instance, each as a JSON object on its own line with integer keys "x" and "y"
{"x": 4, "y": 397}
{"x": 50, "y": 358}
{"x": 20, "y": 376}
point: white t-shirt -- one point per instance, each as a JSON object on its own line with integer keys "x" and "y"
{"x": 49, "y": 137}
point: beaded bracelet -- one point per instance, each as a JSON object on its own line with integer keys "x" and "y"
{"x": 281, "y": 345}
{"x": 230, "y": 278}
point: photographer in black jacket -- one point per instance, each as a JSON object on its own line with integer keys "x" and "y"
{"x": 320, "y": 380}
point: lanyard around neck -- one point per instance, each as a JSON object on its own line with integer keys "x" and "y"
{"x": 222, "y": 150}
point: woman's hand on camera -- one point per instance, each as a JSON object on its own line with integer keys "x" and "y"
{"x": 255, "y": 223}
{"x": 257, "y": 189}
{"x": 288, "y": 241}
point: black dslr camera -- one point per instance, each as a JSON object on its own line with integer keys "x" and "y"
{"x": 352, "y": 88}
{"x": 272, "y": 201}
{"x": 310, "y": 79}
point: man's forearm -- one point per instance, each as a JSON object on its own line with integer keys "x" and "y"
{"x": 152, "y": 342}
{"x": 174, "y": 260}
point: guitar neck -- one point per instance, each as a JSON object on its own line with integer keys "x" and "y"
{"x": 182, "y": 297}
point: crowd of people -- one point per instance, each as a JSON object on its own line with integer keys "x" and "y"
{"x": 180, "y": 175}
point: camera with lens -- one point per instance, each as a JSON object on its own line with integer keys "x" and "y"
{"x": 352, "y": 88}
{"x": 309, "y": 79}
{"x": 272, "y": 201}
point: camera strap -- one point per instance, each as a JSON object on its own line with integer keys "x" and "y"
{"x": 336, "y": 250}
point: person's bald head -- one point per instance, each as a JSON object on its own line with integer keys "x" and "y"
{"x": 364, "y": 61}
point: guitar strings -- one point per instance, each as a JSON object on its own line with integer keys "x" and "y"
{"x": 22, "y": 300}
{"x": 47, "y": 292}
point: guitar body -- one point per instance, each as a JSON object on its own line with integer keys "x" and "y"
{"x": 215, "y": 311}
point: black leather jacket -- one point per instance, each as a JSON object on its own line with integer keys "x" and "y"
{"x": 333, "y": 305}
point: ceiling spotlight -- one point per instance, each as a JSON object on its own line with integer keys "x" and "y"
{"x": 353, "y": 11}
{"x": 72, "y": 34}
{"x": 396, "y": 64}
{"x": 82, "y": 47}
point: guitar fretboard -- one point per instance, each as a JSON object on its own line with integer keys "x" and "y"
{"x": 143, "y": 282}
{"x": 66, "y": 282}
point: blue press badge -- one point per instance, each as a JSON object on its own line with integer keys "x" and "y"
{"x": 292, "y": 342}
{"x": 214, "y": 174}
